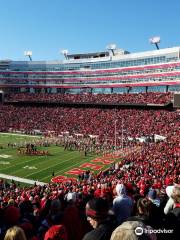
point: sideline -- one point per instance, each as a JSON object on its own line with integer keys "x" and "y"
{"x": 21, "y": 135}
{"x": 23, "y": 180}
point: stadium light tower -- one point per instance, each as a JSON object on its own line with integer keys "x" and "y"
{"x": 111, "y": 47}
{"x": 115, "y": 135}
{"x": 65, "y": 53}
{"x": 29, "y": 54}
{"x": 155, "y": 40}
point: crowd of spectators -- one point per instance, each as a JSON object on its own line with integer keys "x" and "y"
{"x": 90, "y": 210}
{"x": 129, "y": 122}
{"x": 136, "y": 98}
{"x": 141, "y": 192}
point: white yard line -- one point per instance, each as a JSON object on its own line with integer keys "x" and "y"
{"x": 23, "y": 180}
{"x": 67, "y": 168}
{"x": 22, "y": 135}
{"x": 25, "y": 162}
{"x": 36, "y": 164}
{"x": 43, "y": 169}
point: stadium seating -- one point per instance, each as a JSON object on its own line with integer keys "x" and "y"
{"x": 143, "y": 172}
{"x": 140, "y": 98}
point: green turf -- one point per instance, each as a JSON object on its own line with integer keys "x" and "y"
{"x": 59, "y": 161}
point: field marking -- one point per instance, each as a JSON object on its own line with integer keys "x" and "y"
{"x": 30, "y": 167}
{"x": 23, "y": 180}
{"x": 35, "y": 159}
{"x": 21, "y": 135}
{"x": 5, "y": 156}
{"x": 17, "y": 164}
{"x": 63, "y": 171}
{"x": 42, "y": 169}
{"x": 29, "y": 161}
{"x": 4, "y": 163}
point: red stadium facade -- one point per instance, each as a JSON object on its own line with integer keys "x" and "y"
{"x": 121, "y": 72}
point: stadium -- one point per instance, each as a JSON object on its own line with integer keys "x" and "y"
{"x": 80, "y": 127}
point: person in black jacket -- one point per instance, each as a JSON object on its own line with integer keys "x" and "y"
{"x": 97, "y": 215}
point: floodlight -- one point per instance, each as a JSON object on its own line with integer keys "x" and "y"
{"x": 29, "y": 54}
{"x": 65, "y": 52}
{"x": 111, "y": 47}
{"x": 155, "y": 40}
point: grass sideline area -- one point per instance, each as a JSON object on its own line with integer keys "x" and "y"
{"x": 38, "y": 168}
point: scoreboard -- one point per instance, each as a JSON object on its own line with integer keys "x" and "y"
{"x": 176, "y": 100}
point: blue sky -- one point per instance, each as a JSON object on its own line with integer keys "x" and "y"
{"x": 48, "y": 26}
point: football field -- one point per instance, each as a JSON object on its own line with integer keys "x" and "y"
{"x": 42, "y": 168}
